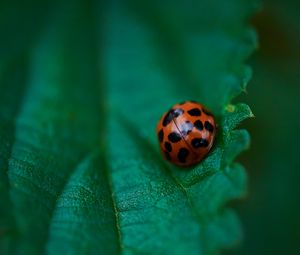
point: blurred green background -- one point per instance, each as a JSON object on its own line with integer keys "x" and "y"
{"x": 271, "y": 212}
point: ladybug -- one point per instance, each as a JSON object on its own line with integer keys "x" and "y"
{"x": 186, "y": 133}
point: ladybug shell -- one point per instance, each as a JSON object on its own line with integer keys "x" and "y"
{"x": 186, "y": 133}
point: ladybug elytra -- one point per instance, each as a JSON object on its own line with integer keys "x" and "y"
{"x": 186, "y": 133}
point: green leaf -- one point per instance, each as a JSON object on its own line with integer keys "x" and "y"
{"x": 80, "y": 166}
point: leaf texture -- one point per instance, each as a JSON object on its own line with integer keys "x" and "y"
{"x": 80, "y": 166}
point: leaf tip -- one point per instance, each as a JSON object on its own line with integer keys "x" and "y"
{"x": 230, "y": 108}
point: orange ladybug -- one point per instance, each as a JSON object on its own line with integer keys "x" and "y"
{"x": 186, "y": 133}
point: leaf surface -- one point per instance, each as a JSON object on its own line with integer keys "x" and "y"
{"x": 81, "y": 168}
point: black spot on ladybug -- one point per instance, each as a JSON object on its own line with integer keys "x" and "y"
{"x": 194, "y": 112}
{"x": 167, "y": 155}
{"x": 186, "y": 128}
{"x": 198, "y": 124}
{"x": 209, "y": 127}
{"x": 168, "y": 146}
{"x": 171, "y": 114}
{"x": 182, "y": 154}
{"x": 207, "y": 112}
{"x": 174, "y": 137}
{"x": 161, "y": 135}
{"x": 168, "y": 118}
{"x": 199, "y": 142}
